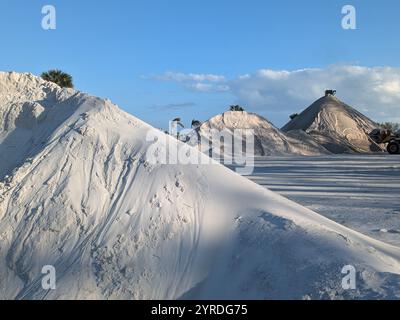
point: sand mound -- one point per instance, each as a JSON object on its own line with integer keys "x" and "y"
{"x": 336, "y": 126}
{"x": 269, "y": 140}
{"x": 116, "y": 226}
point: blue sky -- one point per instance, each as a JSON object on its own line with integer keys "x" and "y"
{"x": 154, "y": 58}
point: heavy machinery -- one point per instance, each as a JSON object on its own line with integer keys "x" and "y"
{"x": 383, "y": 136}
{"x": 330, "y": 93}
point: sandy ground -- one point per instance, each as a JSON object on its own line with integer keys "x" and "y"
{"x": 88, "y": 192}
{"x": 359, "y": 191}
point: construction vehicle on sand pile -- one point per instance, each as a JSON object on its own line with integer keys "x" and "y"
{"x": 383, "y": 136}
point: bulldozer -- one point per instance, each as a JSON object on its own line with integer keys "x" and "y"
{"x": 384, "y": 136}
{"x": 330, "y": 93}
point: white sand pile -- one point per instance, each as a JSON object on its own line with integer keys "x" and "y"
{"x": 268, "y": 140}
{"x": 336, "y": 126}
{"x": 87, "y": 201}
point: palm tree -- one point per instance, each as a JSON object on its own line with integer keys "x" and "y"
{"x": 196, "y": 124}
{"x": 392, "y": 126}
{"x": 174, "y": 126}
{"x": 63, "y": 79}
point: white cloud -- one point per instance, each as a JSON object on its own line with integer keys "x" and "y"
{"x": 374, "y": 91}
{"x": 199, "y": 82}
{"x": 207, "y": 87}
{"x": 189, "y": 77}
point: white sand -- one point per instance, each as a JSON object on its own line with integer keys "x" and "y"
{"x": 81, "y": 196}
